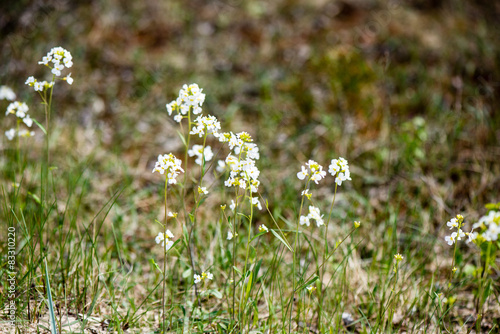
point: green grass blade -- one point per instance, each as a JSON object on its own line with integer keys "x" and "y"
{"x": 53, "y": 328}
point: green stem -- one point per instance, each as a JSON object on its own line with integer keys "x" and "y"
{"x": 295, "y": 256}
{"x": 165, "y": 254}
{"x": 325, "y": 253}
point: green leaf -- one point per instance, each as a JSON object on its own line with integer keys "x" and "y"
{"x": 215, "y": 293}
{"x": 306, "y": 284}
{"x": 186, "y": 273}
{"x": 53, "y": 328}
{"x": 35, "y": 197}
{"x": 40, "y": 126}
{"x": 152, "y": 261}
{"x": 282, "y": 240}
{"x": 249, "y": 285}
{"x": 182, "y": 138}
{"x": 238, "y": 271}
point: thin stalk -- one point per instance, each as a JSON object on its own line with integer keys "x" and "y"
{"x": 295, "y": 256}
{"x": 322, "y": 273}
{"x": 165, "y": 254}
{"x": 481, "y": 289}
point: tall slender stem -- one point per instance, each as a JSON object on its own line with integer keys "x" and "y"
{"x": 165, "y": 254}
{"x": 295, "y": 256}
{"x": 325, "y": 253}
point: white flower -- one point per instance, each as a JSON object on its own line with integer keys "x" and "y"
{"x": 315, "y": 215}
{"x": 255, "y": 201}
{"x": 232, "y": 206}
{"x": 471, "y": 236}
{"x": 303, "y": 173}
{"x": 25, "y": 133}
{"x": 17, "y": 108}
{"x": 28, "y": 121}
{"x": 6, "y": 93}
{"x": 30, "y": 81}
{"x": 339, "y": 168}
{"x": 171, "y": 165}
{"x": 58, "y": 67}
{"x": 229, "y": 235}
{"x": 10, "y": 134}
{"x": 304, "y": 220}
{"x": 209, "y": 123}
{"x": 305, "y": 192}
{"x": 314, "y": 169}
{"x": 165, "y": 239}
{"x": 45, "y": 60}
{"x": 263, "y": 228}
{"x": 450, "y": 239}
{"x": 178, "y": 118}
{"x": 452, "y": 223}
{"x": 39, "y": 86}
{"x": 69, "y": 79}
{"x": 203, "y": 190}
{"x": 204, "y": 276}
{"x": 200, "y": 153}
{"x": 221, "y": 166}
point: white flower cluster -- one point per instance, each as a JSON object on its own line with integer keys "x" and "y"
{"x": 171, "y": 165}
{"x": 209, "y": 123}
{"x": 165, "y": 239}
{"x": 20, "y": 110}
{"x": 314, "y": 171}
{"x": 339, "y": 168}
{"x": 6, "y": 93}
{"x": 60, "y": 59}
{"x": 201, "y": 278}
{"x": 457, "y": 223}
{"x": 243, "y": 171}
{"x": 489, "y": 226}
{"x": 314, "y": 214}
{"x": 190, "y": 98}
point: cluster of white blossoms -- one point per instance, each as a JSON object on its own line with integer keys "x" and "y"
{"x": 314, "y": 214}
{"x": 206, "y": 124}
{"x": 204, "y": 276}
{"x": 312, "y": 170}
{"x": 190, "y": 98}
{"x": 456, "y": 223}
{"x": 339, "y": 168}
{"x": 57, "y": 60}
{"x": 20, "y": 110}
{"x": 169, "y": 164}
{"x": 165, "y": 239}
{"x": 201, "y": 153}
{"x": 242, "y": 165}
{"x": 489, "y": 226}
{"x": 6, "y": 93}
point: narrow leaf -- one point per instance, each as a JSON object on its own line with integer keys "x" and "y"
{"x": 282, "y": 240}
{"x": 40, "y": 126}
{"x": 53, "y": 328}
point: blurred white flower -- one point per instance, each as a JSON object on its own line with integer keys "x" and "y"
{"x": 204, "y": 276}
{"x": 6, "y": 93}
{"x": 10, "y": 134}
{"x": 165, "y": 239}
{"x": 200, "y": 153}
